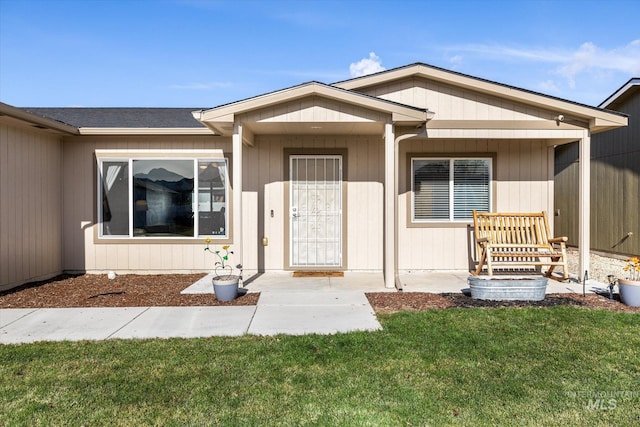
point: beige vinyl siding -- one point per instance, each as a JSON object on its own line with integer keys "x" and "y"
{"x": 82, "y": 251}
{"x": 264, "y": 188}
{"x": 522, "y": 183}
{"x": 314, "y": 109}
{"x": 452, "y": 103}
{"x": 263, "y": 182}
{"x": 30, "y": 205}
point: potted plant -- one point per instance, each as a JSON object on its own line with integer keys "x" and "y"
{"x": 225, "y": 283}
{"x": 630, "y": 287}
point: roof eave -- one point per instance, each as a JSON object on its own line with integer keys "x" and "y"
{"x": 562, "y": 107}
{"x": 598, "y": 124}
{"x": 143, "y": 131}
{"x": 635, "y": 81}
{"x": 36, "y": 121}
{"x": 228, "y": 112}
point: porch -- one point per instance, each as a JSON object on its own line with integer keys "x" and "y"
{"x": 427, "y": 281}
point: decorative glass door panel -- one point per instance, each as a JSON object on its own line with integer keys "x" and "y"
{"x": 315, "y": 211}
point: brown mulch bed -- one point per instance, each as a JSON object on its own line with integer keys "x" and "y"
{"x": 383, "y": 302}
{"x": 93, "y": 290}
{"x": 89, "y": 290}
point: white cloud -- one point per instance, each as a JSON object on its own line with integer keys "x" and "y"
{"x": 589, "y": 58}
{"x": 507, "y": 52}
{"x": 456, "y": 59}
{"x": 548, "y": 86}
{"x": 365, "y": 66}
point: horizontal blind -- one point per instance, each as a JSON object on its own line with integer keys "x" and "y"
{"x": 470, "y": 187}
{"x": 431, "y": 189}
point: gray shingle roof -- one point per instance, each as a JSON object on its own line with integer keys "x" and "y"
{"x": 120, "y": 117}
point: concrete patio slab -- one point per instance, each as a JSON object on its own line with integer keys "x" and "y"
{"x": 284, "y": 280}
{"x": 202, "y": 286}
{"x": 68, "y": 324}
{"x": 306, "y": 298}
{"x": 434, "y": 281}
{"x": 456, "y": 281}
{"x": 189, "y": 322}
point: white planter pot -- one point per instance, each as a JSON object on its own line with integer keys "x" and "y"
{"x": 629, "y": 292}
{"x": 225, "y": 288}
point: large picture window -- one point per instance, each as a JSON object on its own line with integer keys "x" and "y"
{"x": 449, "y": 189}
{"x": 163, "y": 197}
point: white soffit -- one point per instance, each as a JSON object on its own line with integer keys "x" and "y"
{"x": 145, "y": 131}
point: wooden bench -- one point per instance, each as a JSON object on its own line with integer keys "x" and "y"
{"x": 517, "y": 240}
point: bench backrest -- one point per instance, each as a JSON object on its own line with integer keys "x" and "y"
{"x": 512, "y": 228}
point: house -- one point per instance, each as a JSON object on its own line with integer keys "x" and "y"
{"x": 373, "y": 174}
{"x": 615, "y": 184}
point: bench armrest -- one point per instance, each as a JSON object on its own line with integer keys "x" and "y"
{"x": 482, "y": 241}
{"x": 562, "y": 239}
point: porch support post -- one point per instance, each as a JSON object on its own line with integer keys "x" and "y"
{"x": 390, "y": 191}
{"x": 237, "y": 192}
{"x": 584, "y": 220}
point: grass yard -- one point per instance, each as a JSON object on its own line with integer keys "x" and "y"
{"x": 534, "y": 366}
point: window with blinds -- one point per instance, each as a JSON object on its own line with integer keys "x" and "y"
{"x": 449, "y": 189}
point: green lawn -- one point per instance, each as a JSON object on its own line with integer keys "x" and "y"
{"x": 556, "y": 366}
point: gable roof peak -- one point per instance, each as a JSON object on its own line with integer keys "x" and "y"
{"x": 626, "y": 89}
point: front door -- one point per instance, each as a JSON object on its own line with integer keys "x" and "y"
{"x": 315, "y": 211}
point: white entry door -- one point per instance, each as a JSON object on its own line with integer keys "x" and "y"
{"x": 315, "y": 211}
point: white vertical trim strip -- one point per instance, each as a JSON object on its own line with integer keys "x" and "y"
{"x": 237, "y": 192}
{"x": 130, "y": 184}
{"x": 390, "y": 190}
{"x": 584, "y": 204}
{"x": 452, "y": 205}
{"x": 195, "y": 201}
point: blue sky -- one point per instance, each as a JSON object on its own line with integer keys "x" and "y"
{"x": 201, "y": 53}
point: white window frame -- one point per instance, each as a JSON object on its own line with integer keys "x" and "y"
{"x": 451, "y": 160}
{"x": 129, "y": 156}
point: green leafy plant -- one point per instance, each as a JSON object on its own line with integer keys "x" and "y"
{"x": 222, "y": 268}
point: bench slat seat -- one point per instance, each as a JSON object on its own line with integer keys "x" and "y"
{"x": 517, "y": 239}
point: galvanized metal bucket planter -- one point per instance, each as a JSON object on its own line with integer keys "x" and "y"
{"x": 226, "y": 288}
{"x": 629, "y": 292}
{"x": 508, "y": 288}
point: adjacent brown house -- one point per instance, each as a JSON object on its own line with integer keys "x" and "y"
{"x": 615, "y": 180}
{"x": 374, "y": 174}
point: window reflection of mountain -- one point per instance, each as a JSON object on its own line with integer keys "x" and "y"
{"x": 166, "y": 206}
{"x": 211, "y": 206}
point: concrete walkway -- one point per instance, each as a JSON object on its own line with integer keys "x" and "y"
{"x": 287, "y": 305}
{"x": 313, "y": 307}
